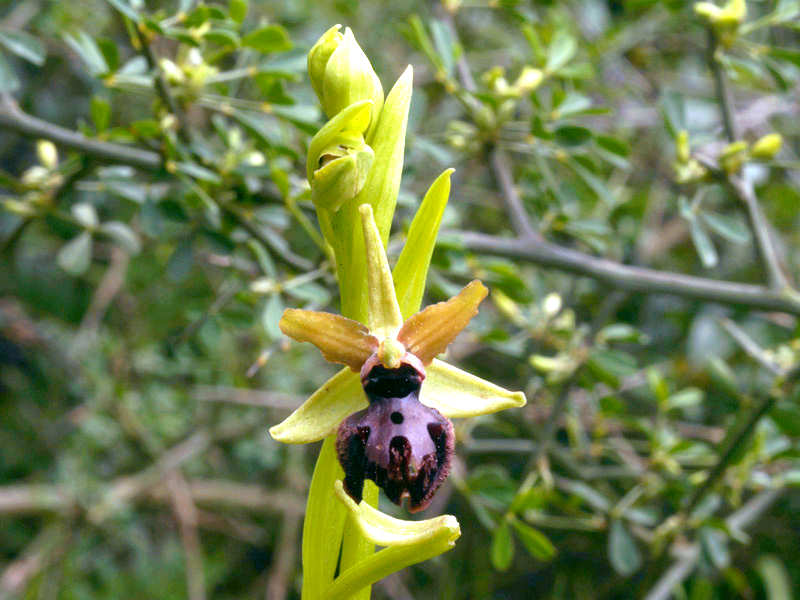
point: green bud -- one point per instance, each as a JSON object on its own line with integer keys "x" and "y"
{"x": 767, "y": 147}
{"x": 319, "y": 55}
{"x": 682, "y": 150}
{"x": 341, "y": 178}
{"x": 341, "y": 74}
{"x": 733, "y": 156}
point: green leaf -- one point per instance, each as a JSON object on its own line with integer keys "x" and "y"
{"x": 611, "y": 365}
{"x": 122, "y": 235}
{"x": 561, "y": 50}
{"x": 535, "y": 542}
{"x": 674, "y": 110}
{"x": 270, "y": 38}
{"x": 8, "y": 79}
{"x": 622, "y": 550}
{"x": 181, "y": 261}
{"x": 731, "y": 228}
{"x": 410, "y": 272}
{"x": 76, "y": 255}
{"x": 572, "y": 135}
{"x": 101, "y": 113}
{"x": 86, "y": 47}
{"x": 703, "y": 244}
{"x": 777, "y": 581}
{"x": 85, "y": 214}
{"x": 715, "y": 546}
{"x": 237, "y": 9}
{"x": 195, "y": 171}
{"x": 23, "y": 45}
{"x": 126, "y": 9}
{"x": 502, "y": 549}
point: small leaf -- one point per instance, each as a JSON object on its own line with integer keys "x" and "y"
{"x": 237, "y": 9}
{"x": 270, "y": 38}
{"x": 181, "y": 261}
{"x": 731, "y": 228}
{"x": 611, "y": 365}
{"x": 8, "y": 79}
{"x": 85, "y": 214}
{"x": 535, "y": 542}
{"x": 703, "y": 244}
{"x": 502, "y": 549}
{"x": 23, "y": 45}
{"x": 122, "y": 235}
{"x": 715, "y": 545}
{"x": 572, "y": 135}
{"x": 86, "y": 47}
{"x": 561, "y": 50}
{"x": 125, "y": 8}
{"x": 777, "y": 581}
{"x": 622, "y": 550}
{"x": 101, "y": 113}
{"x": 76, "y": 256}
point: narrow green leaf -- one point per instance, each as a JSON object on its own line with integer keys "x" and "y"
{"x": 76, "y": 255}
{"x": 703, "y": 244}
{"x": 561, "y": 51}
{"x": 777, "y": 581}
{"x": 8, "y": 79}
{"x": 122, "y": 235}
{"x": 572, "y": 135}
{"x": 502, "y": 549}
{"x": 410, "y": 272}
{"x": 86, "y": 47}
{"x": 323, "y": 524}
{"x": 729, "y": 227}
{"x": 126, "y": 9}
{"x": 100, "y": 110}
{"x": 622, "y": 550}
{"x": 23, "y": 45}
{"x": 270, "y": 38}
{"x": 715, "y": 545}
{"x": 535, "y": 542}
{"x": 611, "y": 365}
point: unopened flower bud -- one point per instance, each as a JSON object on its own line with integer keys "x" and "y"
{"x": 47, "y": 153}
{"x": 682, "y": 150}
{"x": 341, "y": 74}
{"x": 172, "y": 72}
{"x": 528, "y": 80}
{"x": 767, "y": 147}
{"x": 733, "y": 156}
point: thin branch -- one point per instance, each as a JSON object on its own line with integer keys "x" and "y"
{"x": 758, "y": 224}
{"x": 723, "y": 92}
{"x": 750, "y": 346}
{"x": 11, "y": 117}
{"x": 676, "y": 574}
{"x": 186, "y": 513}
{"x": 520, "y": 220}
{"x": 632, "y": 278}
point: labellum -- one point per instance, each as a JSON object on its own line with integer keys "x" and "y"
{"x": 399, "y": 443}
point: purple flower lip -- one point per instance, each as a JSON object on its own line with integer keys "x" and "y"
{"x": 399, "y": 443}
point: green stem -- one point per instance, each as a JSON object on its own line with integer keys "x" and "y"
{"x": 323, "y": 525}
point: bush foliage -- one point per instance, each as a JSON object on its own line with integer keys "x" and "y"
{"x": 619, "y": 187}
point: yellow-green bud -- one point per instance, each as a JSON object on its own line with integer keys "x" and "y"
{"x": 767, "y": 147}
{"x": 733, "y": 156}
{"x": 47, "y": 153}
{"x": 682, "y": 150}
{"x": 730, "y": 15}
{"x": 528, "y": 80}
{"x": 341, "y": 74}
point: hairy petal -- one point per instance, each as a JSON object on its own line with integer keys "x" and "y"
{"x": 320, "y": 415}
{"x": 428, "y": 333}
{"x": 456, "y": 393}
{"x": 341, "y": 340}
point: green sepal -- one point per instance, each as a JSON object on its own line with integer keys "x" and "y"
{"x": 411, "y": 271}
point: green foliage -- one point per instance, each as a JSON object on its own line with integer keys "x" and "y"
{"x": 140, "y": 359}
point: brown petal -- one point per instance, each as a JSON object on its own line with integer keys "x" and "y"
{"x": 341, "y": 340}
{"x": 428, "y": 333}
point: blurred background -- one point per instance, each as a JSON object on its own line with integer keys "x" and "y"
{"x": 140, "y": 359}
